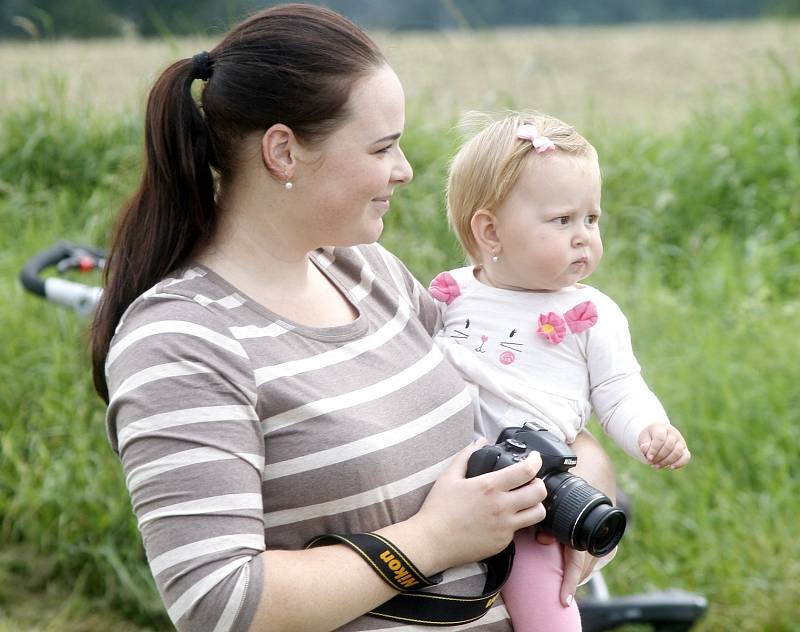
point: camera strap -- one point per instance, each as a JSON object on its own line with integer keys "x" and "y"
{"x": 410, "y": 605}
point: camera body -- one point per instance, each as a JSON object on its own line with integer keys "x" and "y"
{"x": 577, "y": 514}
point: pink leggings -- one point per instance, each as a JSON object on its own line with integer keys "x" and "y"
{"x": 532, "y": 591}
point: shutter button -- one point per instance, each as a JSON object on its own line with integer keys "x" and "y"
{"x": 515, "y": 445}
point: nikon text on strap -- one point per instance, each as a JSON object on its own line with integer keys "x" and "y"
{"x": 411, "y": 606}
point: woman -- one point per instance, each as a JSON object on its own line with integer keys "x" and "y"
{"x": 269, "y": 380}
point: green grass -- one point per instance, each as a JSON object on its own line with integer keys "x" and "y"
{"x": 63, "y": 174}
{"x": 32, "y": 601}
{"x": 702, "y": 252}
{"x": 724, "y": 526}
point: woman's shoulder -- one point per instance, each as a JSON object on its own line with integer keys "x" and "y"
{"x": 190, "y": 293}
{"x": 192, "y": 309}
{"x": 364, "y": 263}
{"x": 188, "y": 318}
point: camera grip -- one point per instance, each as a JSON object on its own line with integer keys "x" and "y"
{"x": 483, "y": 460}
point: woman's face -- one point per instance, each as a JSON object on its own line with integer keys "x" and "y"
{"x": 349, "y": 180}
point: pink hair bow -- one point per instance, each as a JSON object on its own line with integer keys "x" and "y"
{"x": 541, "y": 144}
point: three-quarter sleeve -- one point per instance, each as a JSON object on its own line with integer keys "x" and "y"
{"x": 182, "y": 418}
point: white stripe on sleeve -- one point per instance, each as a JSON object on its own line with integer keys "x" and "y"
{"x": 173, "y": 327}
{"x": 195, "y": 456}
{"x": 234, "y": 605}
{"x": 182, "y": 604}
{"x": 183, "y": 417}
{"x": 206, "y": 547}
{"x": 212, "y": 504}
{"x": 159, "y": 372}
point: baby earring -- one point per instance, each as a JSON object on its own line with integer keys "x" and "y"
{"x": 494, "y": 256}
{"x": 288, "y": 185}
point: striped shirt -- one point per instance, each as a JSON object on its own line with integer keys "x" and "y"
{"x": 240, "y": 431}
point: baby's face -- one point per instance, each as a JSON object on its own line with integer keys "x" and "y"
{"x": 548, "y": 226}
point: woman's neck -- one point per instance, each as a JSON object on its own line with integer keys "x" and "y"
{"x": 256, "y": 235}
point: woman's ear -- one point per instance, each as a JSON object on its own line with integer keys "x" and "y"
{"x": 278, "y": 151}
{"x": 484, "y": 231}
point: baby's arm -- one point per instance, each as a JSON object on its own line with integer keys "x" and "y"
{"x": 664, "y": 446}
{"x": 626, "y": 407}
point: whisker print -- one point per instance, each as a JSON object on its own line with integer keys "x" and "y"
{"x": 512, "y": 345}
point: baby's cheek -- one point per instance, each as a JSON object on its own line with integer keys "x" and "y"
{"x": 507, "y": 357}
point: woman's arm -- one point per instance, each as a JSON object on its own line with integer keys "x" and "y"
{"x": 462, "y": 520}
{"x": 182, "y": 418}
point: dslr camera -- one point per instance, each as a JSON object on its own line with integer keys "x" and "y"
{"x": 577, "y": 514}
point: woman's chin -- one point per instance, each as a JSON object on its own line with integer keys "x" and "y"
{"x": 368, "y": 235}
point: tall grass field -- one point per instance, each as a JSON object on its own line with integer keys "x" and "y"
{"x": 701, "y": 196}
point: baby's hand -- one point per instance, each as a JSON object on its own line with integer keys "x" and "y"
{"x": 663, "y": 446}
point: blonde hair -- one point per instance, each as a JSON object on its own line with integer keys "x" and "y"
{"x": 488, "y": 165}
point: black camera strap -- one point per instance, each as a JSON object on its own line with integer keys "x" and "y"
{"x": 411, "y": 606}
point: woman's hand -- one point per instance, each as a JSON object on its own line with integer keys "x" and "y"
{"x": 470, "y": 519}
{"x": 578, "y": 565}
{"x": 595, "y": 467}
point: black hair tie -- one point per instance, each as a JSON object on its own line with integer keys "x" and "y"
{"x": 201, "y": 66}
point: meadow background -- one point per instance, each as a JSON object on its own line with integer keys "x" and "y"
{"x": 698, "y": 129}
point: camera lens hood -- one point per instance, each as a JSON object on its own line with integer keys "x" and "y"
{"x": 581, "y": 516}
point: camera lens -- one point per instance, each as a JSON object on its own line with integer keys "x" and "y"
{"x": 581, "y": 516}
{"x": 602, "y": 528}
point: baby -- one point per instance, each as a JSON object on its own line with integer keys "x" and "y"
{"x": 537, "y": 345}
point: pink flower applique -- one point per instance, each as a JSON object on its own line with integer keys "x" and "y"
{"x": 581, "y": 317}
{"x": 552, "y": 327}
{"x": 444, "y": 288}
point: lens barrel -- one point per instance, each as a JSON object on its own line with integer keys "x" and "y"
{"x": 602, "y": 528}
{"x": 581, "y": 516}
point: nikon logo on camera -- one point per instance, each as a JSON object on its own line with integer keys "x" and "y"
{"x": 570, "y": 461}
{"x": 401, "y": 574}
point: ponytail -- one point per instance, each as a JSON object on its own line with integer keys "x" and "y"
{"x": 169, "y": 214}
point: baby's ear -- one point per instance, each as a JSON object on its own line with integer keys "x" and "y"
{"x": 484, "y": 231}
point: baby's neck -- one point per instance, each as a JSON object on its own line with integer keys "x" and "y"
{"x": 481, "y": 275}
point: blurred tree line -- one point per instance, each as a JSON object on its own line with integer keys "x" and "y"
{"x": 108, "y": 18}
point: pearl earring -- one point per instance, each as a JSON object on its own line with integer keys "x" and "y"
{"x": 288, "y": 185}
{"x": 494, "y": 257}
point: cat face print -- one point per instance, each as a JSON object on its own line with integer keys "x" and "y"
{"x": 506, "y": 349}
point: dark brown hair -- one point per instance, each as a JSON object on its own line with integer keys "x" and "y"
{"x": 293, "y": 64}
